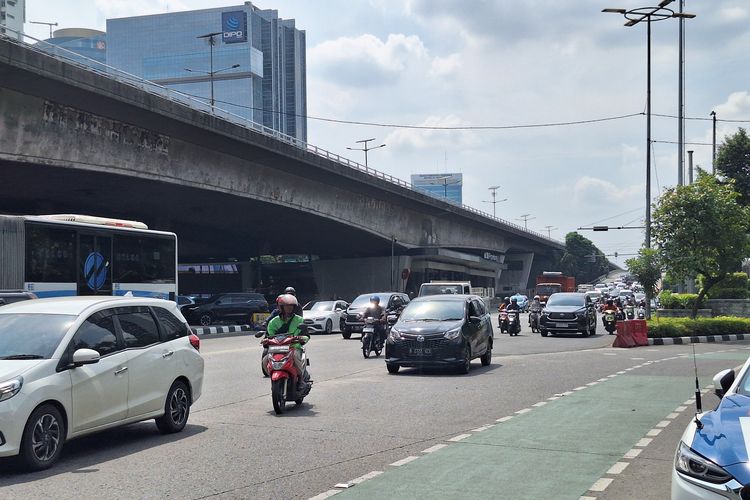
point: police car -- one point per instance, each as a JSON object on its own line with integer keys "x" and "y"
{"x": 713, "y": 456}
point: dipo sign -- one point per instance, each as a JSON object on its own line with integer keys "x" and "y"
{"x": 234, "y": 26}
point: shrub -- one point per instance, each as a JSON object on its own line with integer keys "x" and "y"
{"x": 734, "y": 286}
{"x": 686, "y": 327}
{"x": 669, "y": 300}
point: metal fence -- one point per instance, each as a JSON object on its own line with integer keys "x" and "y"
{"x": 202, "y": 104}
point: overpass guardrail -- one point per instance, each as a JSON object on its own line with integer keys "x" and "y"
{"x": 202, "y": 104}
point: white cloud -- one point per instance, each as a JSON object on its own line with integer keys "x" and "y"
{"x": 444, "y": 66}
{"x": 733, "y": 13}
{"x": 595, "y": 191}
{"x": 125, "y": 8}
{"x": 417, "y": 139}
{"x": 737, "y": 106}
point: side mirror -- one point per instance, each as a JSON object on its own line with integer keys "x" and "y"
{"x": 723, "y": 381}
{"x": 85, "y": 357}
{"x": 475, "y": 320}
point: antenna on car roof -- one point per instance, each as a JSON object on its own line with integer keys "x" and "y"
{"x": 698, "y": 404}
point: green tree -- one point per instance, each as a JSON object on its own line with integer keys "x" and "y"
{"x": 647, "y": 270}
{"x": 701, "y": 229}
{"x": 582, "y": 259}
{"x": 733, "y": 162}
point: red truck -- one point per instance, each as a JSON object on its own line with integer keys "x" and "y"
{"x": 550, "y": 282}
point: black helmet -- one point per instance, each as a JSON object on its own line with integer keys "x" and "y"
{"x": 290, "y": 290}
{"x": 514, "y": 300}
{"x": 375, "y": 299}
{"x": 397, "y": 301}
{"x": 506, "y": 299}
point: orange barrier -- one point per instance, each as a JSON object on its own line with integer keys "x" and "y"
{"x": 631, "y": 333}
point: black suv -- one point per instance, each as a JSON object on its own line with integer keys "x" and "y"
{"x": 568, "y": 312}
{"x": 354, "y": 321}
{"x": 232, "y": 307}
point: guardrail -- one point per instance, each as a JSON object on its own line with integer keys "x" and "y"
{"x": 202, "y": 104}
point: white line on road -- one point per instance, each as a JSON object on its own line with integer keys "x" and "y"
{"x": 324, "y": 495}
{"x": 553, "y": 398}
{"x": 369, "y": 475}
{"x": 663, "y": 423}
{"x": 601, "y": 484}
{"x": 673, "y": 416}
{"x": 610, "y": 354}
{"x": 617, "y": 468}
{"x": 689, "y": 402}
{"x": 621, "y": 372}
{"x": 653, "y": 432}
{"x": 504, "y": 419}
{"x": 459, "y": 437}
{"x": 403, "y": 461}
{"x": 637, "y": 359}
{"x": 435, "y": 448}
{"x": 343, "y": 486}
{"x": 580, "y": 388}
{"x": 643, "y": 442}
{"x": 633, "y": 453}
{"x": 483, "y": 428}
{"x": 540, "y": 403}
{"x": 592, "y": 383}
{"x": 602, "y": 379}
{"x": 525, "y": 410}
{"x": 567, "y": 393}
{"x": 680, "y": 409}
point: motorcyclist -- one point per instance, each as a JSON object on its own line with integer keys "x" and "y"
{"x": 376, "y": 311}
{"x": 288, "y": 322}
{"x": 535, "y": 306}
{"x": 397, "y": 306}
{"x": 297, "y": 310}
{"x": 504, "y": 304}
{"x": 609, "y": 307}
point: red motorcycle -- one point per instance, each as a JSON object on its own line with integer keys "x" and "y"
{"x": 503, "y": 322}
{"x": 283, "y": 373}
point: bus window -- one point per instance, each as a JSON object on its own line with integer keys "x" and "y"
{"x": 50, "y": 254}
{"x": 144, "y": 259}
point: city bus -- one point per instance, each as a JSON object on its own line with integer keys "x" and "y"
{"x": 68, "y": 255}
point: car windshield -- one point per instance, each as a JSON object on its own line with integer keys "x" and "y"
{"x": 364, "y": 300}
{"x": 548, "y": 289}
{"x": 434, "y": 310}
{"x": 561, "y": 299}
{"x": 319, "y": 306}
{"x": 439, "y": 289}
{"x": 32, "y": 336}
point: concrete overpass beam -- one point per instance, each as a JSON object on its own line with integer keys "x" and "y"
{"x": 515, "y": 277}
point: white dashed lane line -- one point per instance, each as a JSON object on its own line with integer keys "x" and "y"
{"x": 437, "y": 447}
{"x": 404, "y": 461}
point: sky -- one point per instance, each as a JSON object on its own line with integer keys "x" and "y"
{"x": 480, "y": 63}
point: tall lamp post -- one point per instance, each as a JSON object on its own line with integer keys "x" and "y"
{"x": 365, "y": 148}
{"x": 494, "y": 201}
{"x": 211, "y": 43}
{"x": 648, "y": 15}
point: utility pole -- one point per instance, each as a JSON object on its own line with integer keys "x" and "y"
{"x": 365, "y": 148}
{"x": 713, "y": 151}
{"x": 393, "y": 251}
{"x": 690, "y": 167}
{"x": 494, "y": 201}
{"x": 549, "y": 231}
{"x": 681, "y": 100}
{"x": 211, "y": 73}
{"x": 526, "y": 218}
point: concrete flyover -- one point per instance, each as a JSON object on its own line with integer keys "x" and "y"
{"x": 77, "y": 140}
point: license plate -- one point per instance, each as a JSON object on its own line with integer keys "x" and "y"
{"x": 561, "y": 325}
{"x": 420, "y": 352}
{"x": 368, "y": 329}
{"x": 610, "y": 317}
{"x": 278, "y": 349}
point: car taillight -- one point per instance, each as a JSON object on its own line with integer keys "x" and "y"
{"x": 195, "y": 341}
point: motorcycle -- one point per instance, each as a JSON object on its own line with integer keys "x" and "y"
{"x": 371, "y": 341}
{"x": 502, "y": 322}
{"x": 610, "y": 321}
{"x": 283, "y": 373}
{"x": 534, "y": 321}
{"x": 641, "y": 312}
{"x": 630, "y": 312}
{"x": 514, "y": 323}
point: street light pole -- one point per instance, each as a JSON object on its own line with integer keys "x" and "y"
{"x": 365, "y": 148}
{"x": 494, "y": 201}
{"x": 526, "y": 218}
{"x": 713, "y": 152}
{"x": 211, "y": 43}
{"x": 549, "y": 231}
{"x": 681, "y": 100}
{"x": 690, "y": 167}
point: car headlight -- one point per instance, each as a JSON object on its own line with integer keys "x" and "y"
{"x": 453, "y": 334}
{"x": 10, "y": 388}
{"x": 691, "y": 464}
{"x": 318, "y": 319}
{"x": 394, "y": 335}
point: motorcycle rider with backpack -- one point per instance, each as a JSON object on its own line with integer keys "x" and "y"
{"x": 377, "y": 312}
{"x": 289, "y": 323}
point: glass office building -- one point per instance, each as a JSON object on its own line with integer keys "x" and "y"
{"x": 12, "y": 15}
{"x": 257, "y": 60}
{"x": 91, "y": 45}
{"x": 448, "y": 186}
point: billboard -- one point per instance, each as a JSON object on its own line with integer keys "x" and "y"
{"x": 234, "y": 26}
{"x": 448, "y": 186}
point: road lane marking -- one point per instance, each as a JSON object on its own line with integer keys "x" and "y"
{"x": 617, "y": 468}
{"x": 689, "y": 402}
{"x": 601, "y": 484}
{"x": 324, "y": 495}
{"x": 680, "y": 409}
{"x": 553, "y": 398}
{"x": 369, "y": 475}
{"x": 633, "y": 453}
{"x": 437, "y": 447}
{"x": 592, "y": 383}
{"x": 663, "y": 423}
{"x": 483, "y": 428}
{"x": 672, "y": 416}
{"x": 610, "y": 354}
{"x": 404, "y": 461}
{"x": 525, "y": 410}
{"x": 621, "y": 372}
{"x": 603, "y": 379}
{"x": 504, "y": 419}
{"x": 459, "y": 438}
{"x": 643, "y": 442}
{"x": 637, "y": 359}
{"x": 540, "y": 403}
{"x": 343, "y": 486}
{"x": 567, "y": 393}
{"x": 580, "y": 388}
{"x": 653, "y": 432}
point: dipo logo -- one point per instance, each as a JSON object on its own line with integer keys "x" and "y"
{"x": 234, "y": 26}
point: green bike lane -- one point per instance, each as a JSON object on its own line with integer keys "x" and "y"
{"x": 558, "y": 449}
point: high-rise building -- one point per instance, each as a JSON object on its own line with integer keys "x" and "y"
{"x": 12, "y": 15}
{"x": 254, "y": 60}
{"x": 449, "y": 186}
{"x": 91, "y": 45}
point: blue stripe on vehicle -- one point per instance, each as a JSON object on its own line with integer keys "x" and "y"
{"x": 54, "y": 293}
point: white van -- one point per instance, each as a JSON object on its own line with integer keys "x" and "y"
{"x": 445, "y": 287}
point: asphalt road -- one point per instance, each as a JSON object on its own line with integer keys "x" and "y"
{"x": 359, "y": 419}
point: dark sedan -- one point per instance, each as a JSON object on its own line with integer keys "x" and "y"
{"x": 441, "y": 330}
{"x": 568, "y": 312}
{"x": 233, "y": 307}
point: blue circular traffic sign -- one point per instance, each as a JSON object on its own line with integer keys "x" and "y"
{"x": 95, "y": 271}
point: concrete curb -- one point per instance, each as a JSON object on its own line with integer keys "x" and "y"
{"x": 210, "y": 330}
{"x": 706, "y": 339}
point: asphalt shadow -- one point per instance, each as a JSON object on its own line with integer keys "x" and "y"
{"x": 81, "y": 455}
{"x": 293, "y": 410}
{"x": 448, "y": 372}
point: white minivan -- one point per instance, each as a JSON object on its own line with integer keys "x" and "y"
{"x": 76, "y": 365}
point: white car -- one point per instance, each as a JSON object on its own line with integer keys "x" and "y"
{"x": 76, "y": 365}
{"x": 713, "y": 456}
{"x": 325, "y": 316}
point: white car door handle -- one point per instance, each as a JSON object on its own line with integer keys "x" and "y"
{"x": 121, "y": 370}
{"x": 167, "y": 354}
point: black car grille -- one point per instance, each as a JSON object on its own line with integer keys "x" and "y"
{"x": 554, "y": 315}
{"x": 352, "y": 318}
